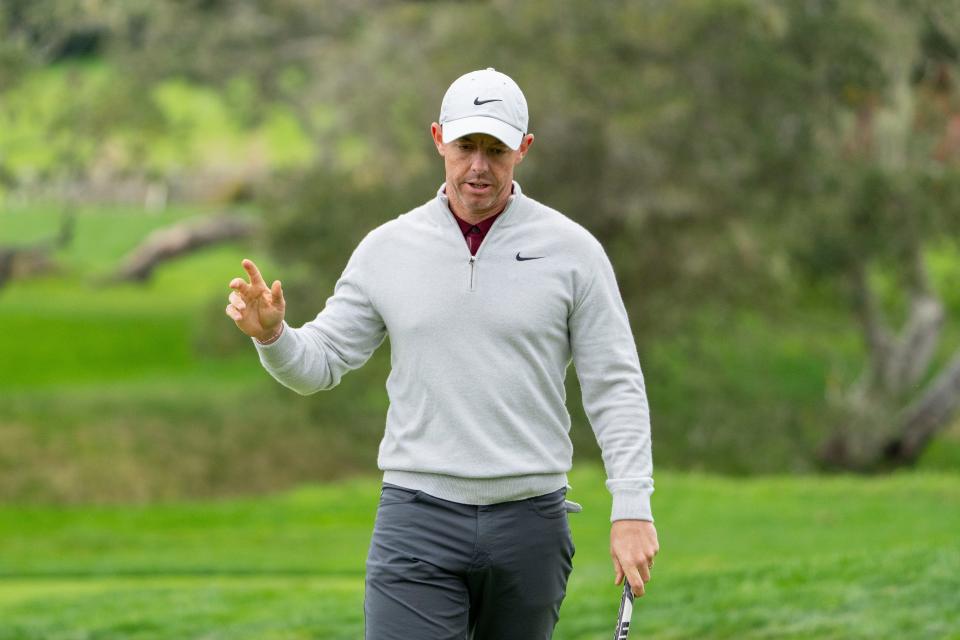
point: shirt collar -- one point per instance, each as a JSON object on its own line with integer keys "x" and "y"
{"x": 484, "y": 225}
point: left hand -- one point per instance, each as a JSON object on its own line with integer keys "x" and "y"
{"x": 633, "y": 544}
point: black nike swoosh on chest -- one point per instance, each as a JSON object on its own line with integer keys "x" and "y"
{"x": 521, "y": 259}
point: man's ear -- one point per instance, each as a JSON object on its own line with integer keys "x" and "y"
{"x": 525, "y": 143}
{"x": 436, "y": 131}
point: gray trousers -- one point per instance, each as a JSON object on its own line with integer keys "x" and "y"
{"x": 441, "y": 570}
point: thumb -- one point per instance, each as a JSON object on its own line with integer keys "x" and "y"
{"x": 276, "y": 291}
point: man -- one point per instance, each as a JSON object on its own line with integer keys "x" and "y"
{"x": 487, "y": 296}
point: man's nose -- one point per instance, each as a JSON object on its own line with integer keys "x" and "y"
{"x": 478, "y": 161}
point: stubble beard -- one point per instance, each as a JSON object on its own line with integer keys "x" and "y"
{"x": 482, "y": 207}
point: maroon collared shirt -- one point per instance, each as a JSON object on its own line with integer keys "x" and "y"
{"x": 474, "y": 233}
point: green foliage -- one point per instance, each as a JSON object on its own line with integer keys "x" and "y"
{"x": 773, "y": 557}
{"x": 72, "y": 118}
{"x": 716, "y": 148}
{"x": 38, "y": 32}
{"x": 697, "y": 139}
{"x": 703, "y": 142}
{"x": 343, "y": 209}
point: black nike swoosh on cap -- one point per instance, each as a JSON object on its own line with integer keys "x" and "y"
{"x": 521, "y": 259}
{"x": 477, "y": 101}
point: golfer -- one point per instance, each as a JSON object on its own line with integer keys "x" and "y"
{"x": 487, "y": 295}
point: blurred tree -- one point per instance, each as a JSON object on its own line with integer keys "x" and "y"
{"x": 709, "y": 143}
{"x": 716, "y": 147}
{"x": 892, "y": 192}
{"x": 705, "y": 142}
{"x": 40, "y": 33}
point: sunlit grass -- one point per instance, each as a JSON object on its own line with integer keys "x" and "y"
{"x": 73, "y": 326}
{"x": 772, "y": 557}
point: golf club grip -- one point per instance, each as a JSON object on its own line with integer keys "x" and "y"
{"x": 626, "y": 611}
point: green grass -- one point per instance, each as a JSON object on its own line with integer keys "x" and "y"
{"x": 771, "y": 557}
{"x": 70, "y": 327}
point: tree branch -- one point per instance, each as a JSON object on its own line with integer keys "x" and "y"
{"x": 917, "y": 343}
{"x": 185, "y": 237}
{"x": 922, "y": 419}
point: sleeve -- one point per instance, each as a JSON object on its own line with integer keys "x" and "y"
{"x": 342, "y": 337}
{"x": 613, "y": 390}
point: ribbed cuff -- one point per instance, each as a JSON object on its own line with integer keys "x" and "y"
{"x": 277, "y": 353}
{"x": 631, "y": 505}
{"x": 275, "y": 337}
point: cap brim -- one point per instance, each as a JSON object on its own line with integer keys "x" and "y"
{"x": 482, "y": 124}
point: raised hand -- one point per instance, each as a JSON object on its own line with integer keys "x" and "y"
{"x": 257, "y": 310}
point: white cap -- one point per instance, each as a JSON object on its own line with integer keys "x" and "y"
{"x": 484, "y": 102}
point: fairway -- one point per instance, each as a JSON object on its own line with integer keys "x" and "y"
{"x": 775, "y": 557}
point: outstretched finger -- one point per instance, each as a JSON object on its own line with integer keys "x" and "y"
{"x": 237, "y": 300}
{"x": 277, "y": 292}
{"x": 241, "y": 285}
{"x": 255, "y": 278}
{"x": 233, "y": 313}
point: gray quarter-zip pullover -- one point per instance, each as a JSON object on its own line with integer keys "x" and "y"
{"x": 539, "y": 292}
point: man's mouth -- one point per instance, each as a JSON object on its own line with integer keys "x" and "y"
{"x": 476, "y": 185}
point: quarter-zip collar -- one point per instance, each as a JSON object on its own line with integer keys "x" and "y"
{"x": 503, "y": 218}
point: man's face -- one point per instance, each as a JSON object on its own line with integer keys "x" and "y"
{"x": 479, "y": 172}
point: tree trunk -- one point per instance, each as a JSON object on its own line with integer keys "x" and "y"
{"x": 878, "y": 431}
{"x": 177, "y": 240}
{"x": 35, "y": 259}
